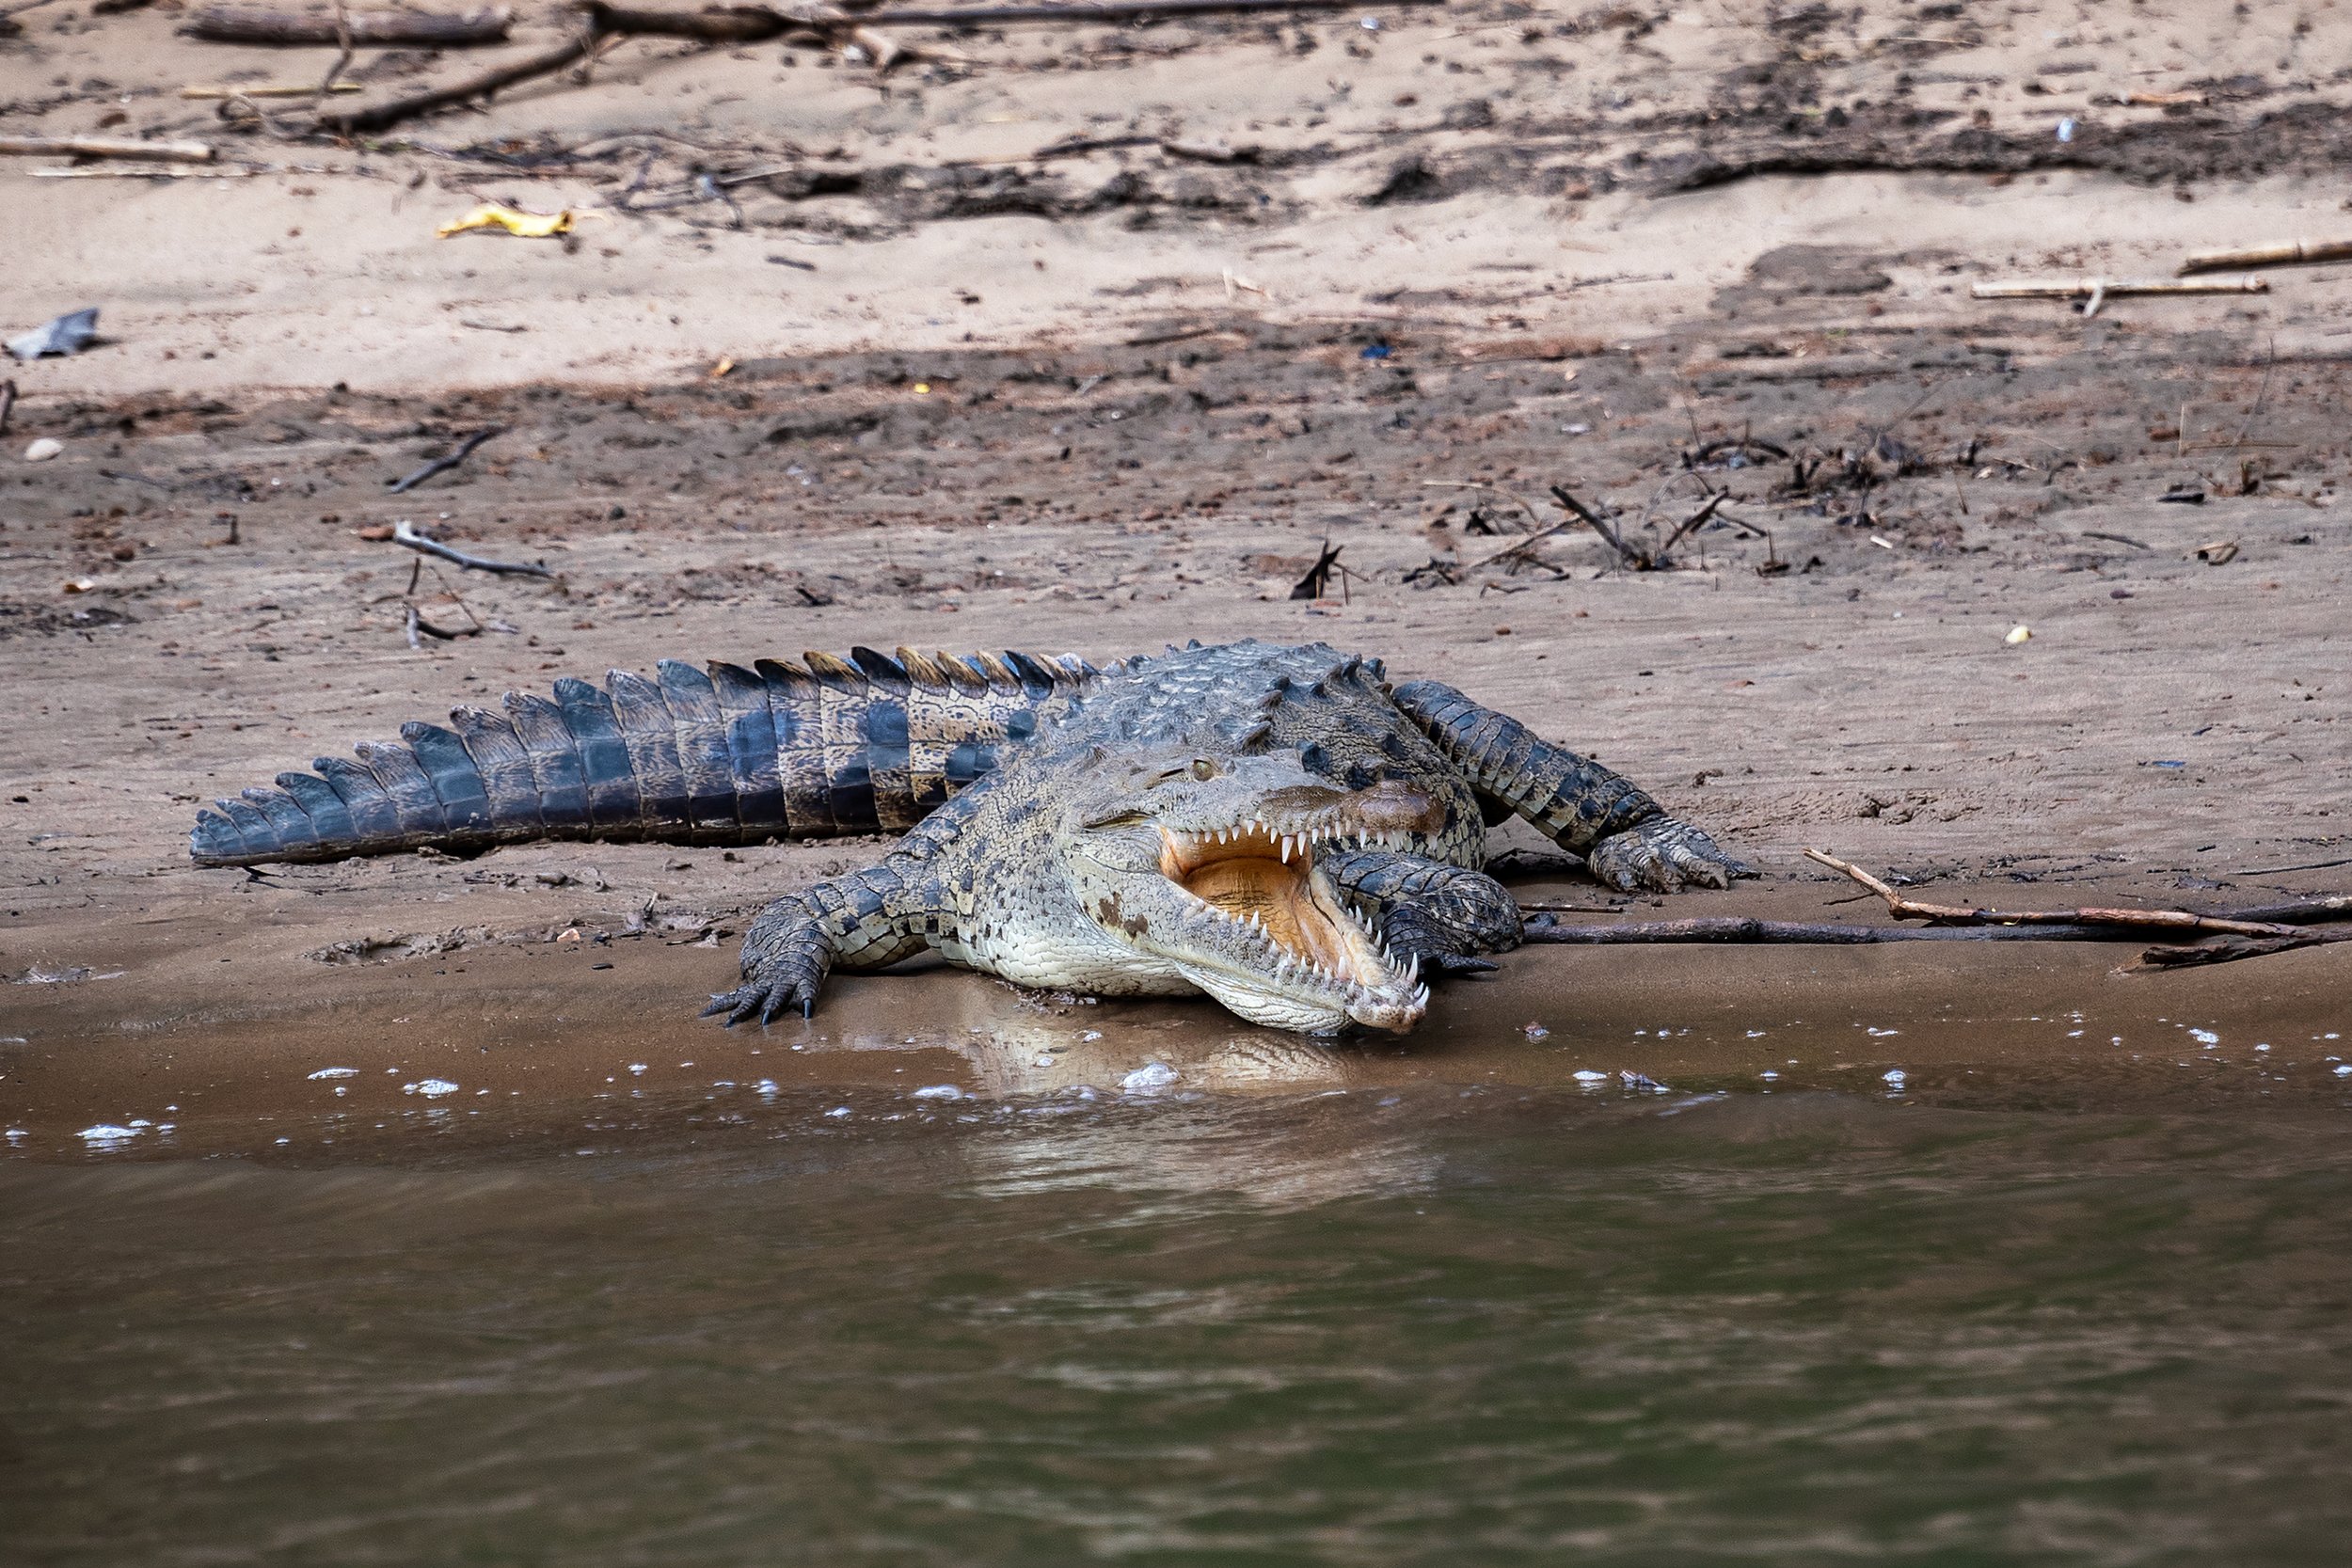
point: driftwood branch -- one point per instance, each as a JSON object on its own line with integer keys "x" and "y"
{"x": 405, "y": 534}
{"x": 431, "y": 29}
{"x": 2077, "y": 288}
{"x": 382, "y": 117}
{"x": 1735, "y": 930}
{"x": 2170, "y": 920}
{"x": 107, "y": 146}
{"x": 2287, "y": 254}
{"x": 410, "y": 481}
{"x": 2303, "y": 912}
{"x": 2230, "y": 949}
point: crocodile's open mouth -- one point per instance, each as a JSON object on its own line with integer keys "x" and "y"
{"x": 1288, "y": 930}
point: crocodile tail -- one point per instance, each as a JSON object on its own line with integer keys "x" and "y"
{"x": 717, "y": 756}
{"x": 1570, "y": 799}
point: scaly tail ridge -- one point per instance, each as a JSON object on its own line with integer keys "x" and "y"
{"x": 711, "y": 756}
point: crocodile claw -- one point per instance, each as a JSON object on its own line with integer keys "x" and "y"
{"x": 1663, "y": 854}
{"x": 762, "y": 1000}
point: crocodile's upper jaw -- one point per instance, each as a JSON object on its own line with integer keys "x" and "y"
{"x": 1272, "y": 939}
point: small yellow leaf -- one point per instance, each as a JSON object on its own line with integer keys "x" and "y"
{"x": 522, "y": 225}
{"x": 2019, "y": 634}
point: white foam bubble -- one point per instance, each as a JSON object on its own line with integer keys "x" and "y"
{"x": 1149, "y": 1077}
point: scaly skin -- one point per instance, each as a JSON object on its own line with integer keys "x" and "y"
{"x": 1276, "y": 827}
{"x": 1003, "y": 880}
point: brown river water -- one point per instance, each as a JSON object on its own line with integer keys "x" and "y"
{"x": 1909, "y": 1258}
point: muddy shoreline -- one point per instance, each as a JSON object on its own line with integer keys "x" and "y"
{"x": 2155, "y": 741}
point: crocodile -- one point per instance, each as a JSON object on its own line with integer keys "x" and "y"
{"x": 1279, "y": 827}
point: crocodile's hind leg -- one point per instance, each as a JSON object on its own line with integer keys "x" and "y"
{"x": 1444, "y": 915}
{"x": 1626, "y": 837}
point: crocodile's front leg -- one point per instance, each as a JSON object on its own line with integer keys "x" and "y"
{"x": 1442, "y": 914}
{"x": 870, "y": 919}
{"x": 1624, "y": 836}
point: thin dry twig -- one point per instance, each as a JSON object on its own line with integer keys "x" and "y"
{"x": 402, "y": 534}
{"x": 443, "y": 464}
{"x": 342, "y": 61}
{"x": 2110, "y": 288}
{"x": 2271, "y": 362}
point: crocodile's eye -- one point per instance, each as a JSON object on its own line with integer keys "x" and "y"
{"x": 1203, "y": 768}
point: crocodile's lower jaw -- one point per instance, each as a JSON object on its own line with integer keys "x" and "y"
{"x": 1304, "y": 962}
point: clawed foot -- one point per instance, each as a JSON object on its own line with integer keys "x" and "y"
{"x": 785, "y": 964}
{"x": 761, "y": 1001}
{"x": 1663, "y": 854}
{"x": 1447, "y": 927}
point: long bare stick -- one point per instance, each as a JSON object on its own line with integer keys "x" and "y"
{"x": 2075, "y": 288}
{"x": 383, "y": 116}
{"x": 107, "y": 146}
{"x": 2282, "y": 255}
{"x": 237, "y": 25}
{"x": 1735, "y": 930}
{"x": 2171, "y": 920}
{"x": 2231, "y": 949}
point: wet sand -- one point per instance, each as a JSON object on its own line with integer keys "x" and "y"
{"x": 590, "y": 1048}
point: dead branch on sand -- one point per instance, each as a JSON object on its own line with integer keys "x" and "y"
{"x": 2110, "y": 288}
{"x": 2230, "y": 949}
{"x": 107, "y": 146}
{"x": 410, "y": 481}
{"x": 431, "y": 29}
{"x": 1738, "y": 930}
{"x": 405, "y": 534}
{"x": 2287, "y": 254}
{"x": 1952, "y": 914}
